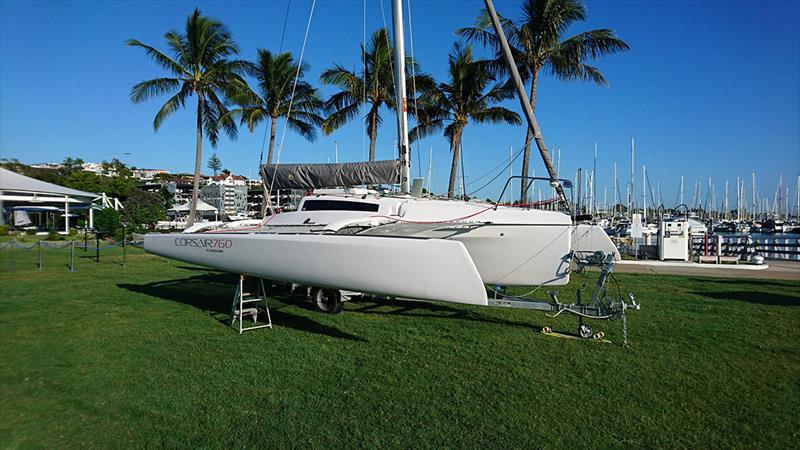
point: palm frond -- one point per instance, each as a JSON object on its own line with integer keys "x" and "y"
{"x": 339, "y": 117}
{"x": 220, "y": 112}
{"x": 577, "y": 72}
{"x": 590, "y": 44}
{"x": 302, "y": 128}
{"x": 173, "y": 104}
{"x": 496, "y": 114}
{"x": 343, "y": 79}
{"x": 160, "y": 58}
{"x": 146, "y": 90}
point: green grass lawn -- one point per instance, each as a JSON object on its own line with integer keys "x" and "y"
{"x": 142, "y": 356}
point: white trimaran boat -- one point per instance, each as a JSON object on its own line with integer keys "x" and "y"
{"x": 398, "y": 245}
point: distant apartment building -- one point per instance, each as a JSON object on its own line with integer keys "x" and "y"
{"x": 227, "y": 193}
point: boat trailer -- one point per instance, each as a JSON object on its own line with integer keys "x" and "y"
{"x": 601, "y": 305}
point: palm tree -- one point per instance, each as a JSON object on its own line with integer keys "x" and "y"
{"x": 470, "y": 95}
{"x": 275, "y": 75}
{"x": 373, "y": 85}
{"x": 199, "y": 66}
{"x": 537, "y": 42}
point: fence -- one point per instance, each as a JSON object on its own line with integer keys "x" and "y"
{"x": 39, "y": 255}
{"x": 776, "y": 248}
{"x": 786, "y": 248}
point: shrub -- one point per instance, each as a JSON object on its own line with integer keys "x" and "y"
{"x": 107, "y": 221}
{"x": 3, "y": 230}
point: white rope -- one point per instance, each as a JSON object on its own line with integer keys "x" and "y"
{"x": 364, "y": 83}
{"x": 291, "y": 101}
{"x": 266, "y": 128}
{"x": 391, "y": 63}
{"x": 414, "y": 86}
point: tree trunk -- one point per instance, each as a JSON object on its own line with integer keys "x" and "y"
{"x": 271, "y": 139}
{"x": 373, "y": 132}
{"x": 198, "y": 157}
{"x": 264, "y": 188}
{"x": 455, "y": 148}
{"x": 526, "y": 153}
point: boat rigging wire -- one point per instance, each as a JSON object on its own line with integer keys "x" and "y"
{"x": 414, "y": 86}
{"x": 501, "y": 172}
{"x": 291, "y": 99}
{"x": 283, "y": 33}
{"x": 389, "y": 54}
{"x": 364, "y": 83}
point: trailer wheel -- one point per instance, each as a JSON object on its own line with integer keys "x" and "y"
{"x": 585, "y": 331}
{"x": 328, "y": 301}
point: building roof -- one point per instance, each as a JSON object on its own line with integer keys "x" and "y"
{"x": 201, "y": 206}
{"x": 14, "y": 182}
{"x": 224, "y": 177}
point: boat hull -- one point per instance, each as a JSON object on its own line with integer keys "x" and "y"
{"x": 424, "y": 269}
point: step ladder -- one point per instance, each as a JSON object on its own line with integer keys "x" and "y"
{"x": 246, "y": 305}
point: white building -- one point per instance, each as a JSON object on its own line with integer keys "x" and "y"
{"x": 49, "y": 165}
{"x": 147, "y": 174}
{"x": 228, "y": 180}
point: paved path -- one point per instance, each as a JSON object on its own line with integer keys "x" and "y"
{"x": 777, "y": 270}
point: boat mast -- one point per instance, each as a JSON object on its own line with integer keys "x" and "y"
{"x": 633, "y": 176}
{"x": 644, "y": 194}
{"x": 738, "y": 199}
{"x": 725, "y": 202}
{"x": 400, "y": 93}
{"x": 615, "y": 190}
{"x": 430, "y": 169}
{"x": 526, "y": 107}
{"x": 594, "y": 182}
{"x": 755, "y": 198}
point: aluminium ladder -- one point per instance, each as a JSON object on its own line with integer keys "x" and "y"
{"x": 245, "y": 305}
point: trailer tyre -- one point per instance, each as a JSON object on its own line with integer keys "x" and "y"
{"x": 328, "y": 301}
{"x": 585, "y": 331}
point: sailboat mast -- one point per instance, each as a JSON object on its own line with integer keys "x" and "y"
{"x": 633, "y": 175}
{"x": 755, "y": 198}
{"x": 614, "y": 190}
{"x": 592, "y": 206}
{"x": 738, "y": 198}
{"x": 725, "y": 202}
{"x": 400, "y": 91}
{"x": 430, "y": 169}
{"x": 523, "y": 100}
{"x": 644, "y": 194}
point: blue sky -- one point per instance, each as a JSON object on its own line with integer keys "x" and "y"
{"x": 708, "y": 88}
